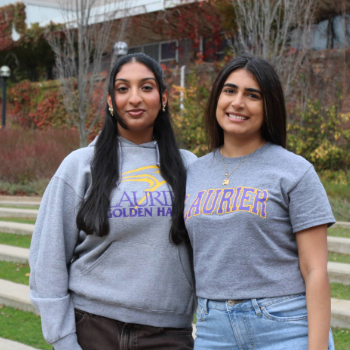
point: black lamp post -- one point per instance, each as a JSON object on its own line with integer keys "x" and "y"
{"x": 5, "y": 72}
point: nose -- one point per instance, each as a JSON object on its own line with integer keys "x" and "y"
{"x": 135, "y": 96}
{"x": 238, "y": 101}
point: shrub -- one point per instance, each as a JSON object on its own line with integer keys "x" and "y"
{"x": 321, "y": 135}
{"x": 31, "y": 155}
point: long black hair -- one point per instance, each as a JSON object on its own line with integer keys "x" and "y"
{"x": 92, "y": 217}
{"x": 274, "y": 128}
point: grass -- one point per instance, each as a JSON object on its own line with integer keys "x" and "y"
{"x": 339, "y": 232}
{"x": 340, "y": 208}
{"x": 15, "y": 240}
{"x": 19, "y": 220}
{"x": 341, "y": 338}
{"x": 23, "y": 327}
{"x": 340, "y": 291}
{"x": 14, "y": 272}
{"x": 340, "y": 258}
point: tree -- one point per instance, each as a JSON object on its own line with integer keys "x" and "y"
{"x": 79, "y": 47}
{"x": 276, "y": 30}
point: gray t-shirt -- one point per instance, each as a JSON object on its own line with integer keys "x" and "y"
{"x": 243, "y": 234}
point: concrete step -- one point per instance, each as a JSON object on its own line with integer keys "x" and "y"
{"x": 18, "y": 213}
{"x": 14, "y": 254}
{"x": 343, "y": 224}
{"x": 15, "y": 295}
{"x": 19, "y": 204}
{"x": 6, "y": 344}
{"x": 339, "y": 245}
{"x": 339, "y": 273}
{"x": 29, "y": 199}
{"x": 340, "y": 313}
{"x": 16, "y": 228}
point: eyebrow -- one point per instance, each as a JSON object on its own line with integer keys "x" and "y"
{"x": 126, "y": 80}
{"x": 247, "y": 89}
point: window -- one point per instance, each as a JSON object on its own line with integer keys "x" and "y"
{"x": 215, "y": 49}
{"x": 162, "y": 52}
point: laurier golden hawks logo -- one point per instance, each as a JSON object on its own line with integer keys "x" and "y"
{"x": 227, "y": 200}
{"x": 150, "y": 201}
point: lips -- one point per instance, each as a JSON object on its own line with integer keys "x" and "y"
{"x": 136, "y": 112}
{"x": 236, "y": 117}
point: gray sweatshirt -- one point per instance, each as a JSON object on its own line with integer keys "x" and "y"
{"x": 133, "y": 274}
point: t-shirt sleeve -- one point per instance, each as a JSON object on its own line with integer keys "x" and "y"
{"x": 308, "y": 203}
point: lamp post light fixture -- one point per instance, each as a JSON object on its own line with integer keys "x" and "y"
{"x": 5, "y": 72}
{"x": 120, "y": 49}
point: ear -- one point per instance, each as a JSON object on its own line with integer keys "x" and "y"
{"x": 109, "y": 101}
{"x": 164, "y": 98}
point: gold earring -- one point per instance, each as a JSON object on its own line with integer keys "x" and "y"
{"x": 164, "y": 108}
{"x": 111, "y": 111}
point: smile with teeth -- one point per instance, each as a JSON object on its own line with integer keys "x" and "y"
{"x": 237, "y": 116}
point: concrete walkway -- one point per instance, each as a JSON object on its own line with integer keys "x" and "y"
{"x": 16, "y": 228}
{"x": 18, "y": 213}
{"x": 6, "y": 344}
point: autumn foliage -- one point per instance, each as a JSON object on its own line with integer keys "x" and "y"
{"x": 29, "y": 155}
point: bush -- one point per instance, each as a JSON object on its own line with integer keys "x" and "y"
{"x": 30, "y": 155}
{"x": 322, "y": 136}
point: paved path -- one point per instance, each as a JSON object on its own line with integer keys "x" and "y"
{"x": 18, "y": 213}
{"x": 6, "y": 344}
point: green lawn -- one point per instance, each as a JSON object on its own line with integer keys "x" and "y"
{"x": 19, "y": 220}
{"x": 340, "y": 291}
{"x": 15, "y": 240}
{"x": 23, "y": 327}
{"x": 340, "y": 258}
{"x": 339, "y": 232}
{"x": 14, "y": 272}
{"x": 341, "y": 338}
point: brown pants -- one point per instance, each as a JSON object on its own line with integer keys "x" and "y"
{"x": 101, "y": 333}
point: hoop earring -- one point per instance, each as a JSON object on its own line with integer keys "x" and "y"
{"x": 111, "y": 112}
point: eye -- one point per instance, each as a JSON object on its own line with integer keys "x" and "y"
{"x": 122, "y": 89}
{"x": 147, "y": 88}
{"x": 229, "y": 90}
{"x": 254, "y": 96}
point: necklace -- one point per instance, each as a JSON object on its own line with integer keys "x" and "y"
{"x": 227, "y": 181}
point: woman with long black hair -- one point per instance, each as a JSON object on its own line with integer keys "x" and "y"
{"x": 257, "y": 217}
{"x": 104, "y": 274}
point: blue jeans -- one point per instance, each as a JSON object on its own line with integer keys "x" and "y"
{"x": 255, "y": 324}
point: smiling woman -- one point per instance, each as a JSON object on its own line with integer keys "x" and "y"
{"x": 136, "y": 95}
{"x": 104, "y": 272}
{"x": 257, "y": 217}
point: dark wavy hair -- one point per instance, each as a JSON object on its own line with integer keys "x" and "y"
{"x": 274, "y": 128}
{"x": 92, "y": 217}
